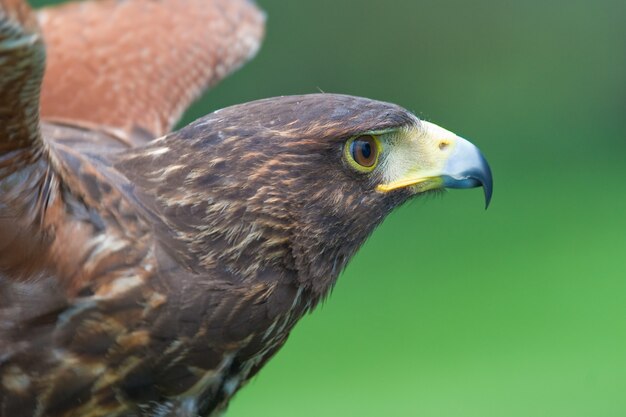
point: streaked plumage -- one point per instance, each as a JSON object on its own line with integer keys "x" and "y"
{"x": 154, "y": 278}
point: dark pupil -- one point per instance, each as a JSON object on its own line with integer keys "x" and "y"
{"x": 363, "y": 152}
{"x": 366, "y": 149}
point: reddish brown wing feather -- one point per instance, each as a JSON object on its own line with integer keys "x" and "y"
{"x": 140, "y": 63}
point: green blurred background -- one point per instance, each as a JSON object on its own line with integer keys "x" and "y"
{"x": 448, "y": 310}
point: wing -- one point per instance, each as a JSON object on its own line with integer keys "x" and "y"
{"x": 22, "y": 59}
{"x": 155, "y": 341}
{"x": 24, "y": 184}
{"x": 139, "y": 63}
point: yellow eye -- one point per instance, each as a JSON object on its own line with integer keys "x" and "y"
{"x": 362, "y": 152}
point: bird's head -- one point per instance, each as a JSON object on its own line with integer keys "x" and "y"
{"x": 303, "y": 180}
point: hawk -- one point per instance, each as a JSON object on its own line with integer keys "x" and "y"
{"x": 151, "y": 273}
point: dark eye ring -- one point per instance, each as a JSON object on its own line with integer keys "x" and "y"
{"x": 362, "y": 152}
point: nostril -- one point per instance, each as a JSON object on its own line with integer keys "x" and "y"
{"x": 443, "y": 145}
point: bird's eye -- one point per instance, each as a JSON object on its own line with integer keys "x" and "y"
{"x": 362, "y": 152}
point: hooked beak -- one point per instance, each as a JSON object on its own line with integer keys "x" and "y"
{"x": 441, "y": 159}
{"x": 467, "y": 168}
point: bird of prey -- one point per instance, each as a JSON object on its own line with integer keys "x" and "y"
{"x": 145, "y": 273}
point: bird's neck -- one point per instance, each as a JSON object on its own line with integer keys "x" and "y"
{"x": 247, "y": 250}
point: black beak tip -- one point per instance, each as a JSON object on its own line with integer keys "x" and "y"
{"x": 488, "y": 193}
{"x": 472, "y": 179}
{"x": 468, "y": 168}
{"x": 487, "y": 183}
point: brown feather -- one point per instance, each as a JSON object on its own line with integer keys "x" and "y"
{"x": 22, "y": 57}
{"x": 156, "y": 280}
{"x": 140, "y": 63}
